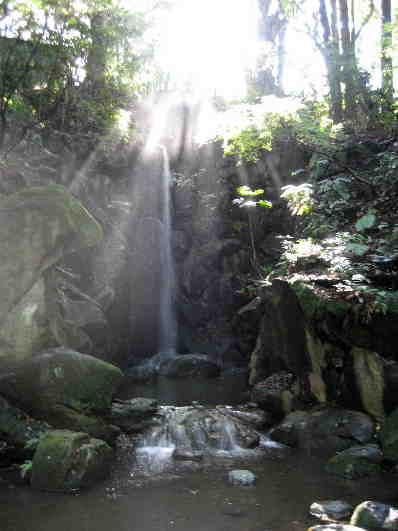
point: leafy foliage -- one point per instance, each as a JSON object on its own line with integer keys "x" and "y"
{"x": 246, "y": 197}
{"x": 67, "y": 66}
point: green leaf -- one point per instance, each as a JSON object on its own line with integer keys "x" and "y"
{"x": 357, "y": 248}
{"x": 246, "y": 191}
{"x": 365, "y": 222}
{"x": 264, "y": 203}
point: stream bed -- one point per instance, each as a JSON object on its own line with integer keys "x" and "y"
{"x": 148, "y": 494}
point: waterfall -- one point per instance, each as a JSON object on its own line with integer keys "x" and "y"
{"x": 151, "y": 266}
{"x": 168, "y": 326}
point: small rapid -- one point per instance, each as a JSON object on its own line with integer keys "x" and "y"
{"x": 197, "y": 433}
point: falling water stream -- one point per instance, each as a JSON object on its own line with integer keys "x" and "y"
{"x": 168, "y": 328}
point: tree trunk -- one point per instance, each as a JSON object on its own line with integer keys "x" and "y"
{"x": 386, "y": 59}
{"x": 331, "y": 55}
{"x": 348, "y": 62}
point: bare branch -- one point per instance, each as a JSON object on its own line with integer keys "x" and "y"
{"x": 365, "y": 20}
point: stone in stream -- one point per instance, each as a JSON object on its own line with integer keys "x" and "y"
{"x": 356, "y": 462}
{"x": 66, "y": 460}
{"x": 335, "y": 527}
{"x": 133, "y": 415}
{"x": 331, "y": 510}
{"x": 241, "y": 477}
{"x": 185, "y": 454}
{"x": 324, "y": 431}
{"x": 375, "y": 515}
{"x": 190, "y": 366}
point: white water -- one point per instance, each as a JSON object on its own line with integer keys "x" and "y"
{"x": 213, "y": 431}
{"x": 168, "y": 326}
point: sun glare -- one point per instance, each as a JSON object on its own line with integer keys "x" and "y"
{"x": 207, "y": 46}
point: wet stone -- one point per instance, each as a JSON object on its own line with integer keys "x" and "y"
{"x": 375, "y": 515}
{"x": 184, "y": 454}
{"x": 232, "y": 509}
{"x": 335, "y": 527}
{"x": 241, "y": 477}
{"x": 331, "y": 510}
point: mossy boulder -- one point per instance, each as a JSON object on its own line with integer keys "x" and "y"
{"x": 356, "y": 462}
{"x": 375, "y": 515}
{"x": 38, "y": 226}
{"x": 65, "y": 461}
{"x": 369, "y": 375}
{"x": 63, "y": 377}
{"x": 68, "y": 418}
{"x": 133, "y": 415}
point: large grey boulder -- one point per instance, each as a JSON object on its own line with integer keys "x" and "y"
{"x": 356, "y": 462}
{"x": 65, "y": 461}
{"x": 63, "y": 377}
{"x": 133, "y": 415}
{"x": 191, "y": 366}
{"x": 275, "y": 394}
{"x": 325, "y": 431}
{"x": 331, "y": 510}
{"x": 38, "y": 226}
{"x": 66, "y": 388}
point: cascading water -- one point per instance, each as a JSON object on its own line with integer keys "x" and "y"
{"x": 168, "y": 328}
{"x": 195, "y": 432}
{"x": 152, "y": 277}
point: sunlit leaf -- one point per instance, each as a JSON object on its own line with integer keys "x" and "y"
{"x": 365, "y": 222}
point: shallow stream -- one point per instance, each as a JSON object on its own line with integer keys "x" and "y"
{"x": 191, "y": 495}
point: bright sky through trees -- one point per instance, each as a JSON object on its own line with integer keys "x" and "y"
{"x": 208, "y": 45}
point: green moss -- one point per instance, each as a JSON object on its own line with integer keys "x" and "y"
{"x": 314, "y": 306}
{"x": 55, "y": 202}
{"x": 369, "y": 374}
{"x": 51, "y": 461}
{"x": 64, "y": 417}
{"x": 67, "y": 460}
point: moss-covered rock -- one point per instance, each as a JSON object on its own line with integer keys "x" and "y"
{"x": 369, "y": 374}
{"x": 65, "y": 417}
{"x": 65, "y": 460}
{"x": 63, "y": 377}
{"x": 356, "y": 462}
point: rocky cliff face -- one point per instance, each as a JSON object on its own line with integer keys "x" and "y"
{"x": 214, "y": 250}
{"x": 39, "y": 226}
{"x": 330, "y": 354}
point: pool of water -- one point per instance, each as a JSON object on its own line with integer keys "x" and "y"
{"x": 191, "y": 496}
{"x": 191, "y": 500}
{"x": 227, "y": 389}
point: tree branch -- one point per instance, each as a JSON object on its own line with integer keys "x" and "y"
{"x": 365, "y": 20}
